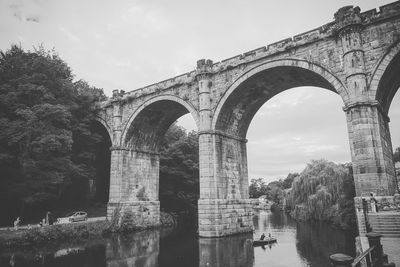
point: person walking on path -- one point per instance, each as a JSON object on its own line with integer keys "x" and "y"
{"x": 373, "y": 203}
{"x": 16, "y": 223}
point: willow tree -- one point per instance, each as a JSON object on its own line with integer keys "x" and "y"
{"x": 324, "y": 191}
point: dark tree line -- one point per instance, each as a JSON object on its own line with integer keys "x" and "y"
{"x": 274, "y": 191}
{"x": 179, "y": 171}
{"x": 47, "y": 147}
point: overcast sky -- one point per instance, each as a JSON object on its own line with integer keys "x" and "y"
{"x": 129, "y": 44}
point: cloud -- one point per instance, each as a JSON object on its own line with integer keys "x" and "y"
{"x": 293, "y": 128}
{"x": 69, "y": 34}
{"x": 24, "y": 10}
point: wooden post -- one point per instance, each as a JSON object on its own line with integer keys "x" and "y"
{"x": 341, "y": 260}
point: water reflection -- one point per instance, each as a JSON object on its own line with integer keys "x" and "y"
{"x": 138, "y": 249}
{"x": 93, "y": 255}
{"x": 228, "y": 251}
{"x": 315, "y": 242}
{"x": 299, "y": 244}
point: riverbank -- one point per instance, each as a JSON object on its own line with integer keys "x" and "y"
{"x": 79, "y": 231}
{"x": 339, "y": 218}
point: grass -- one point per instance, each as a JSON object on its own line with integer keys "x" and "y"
{"x": 60, "y": 232}
{"x": 72, "y": 232}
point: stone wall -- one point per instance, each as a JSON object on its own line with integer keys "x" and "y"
{"x": 142, "y": 214}
{"x": 221, "y": 217}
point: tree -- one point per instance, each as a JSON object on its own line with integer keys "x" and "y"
{"x": 257, "y": 188}
{"x": 179, "y": 171}
{"x": 45, "y": 118}
{"x": 396, "y": 155}
{"x": 287, "y": 182}
{"x": 324, "y": 191}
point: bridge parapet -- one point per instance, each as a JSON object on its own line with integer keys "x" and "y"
{"x": 345, "y": 16}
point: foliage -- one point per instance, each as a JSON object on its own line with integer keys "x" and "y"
{"x": 257, "y": 188}
{"x": 287, "y": 182}
{"x": 45, "y": 144}
{"x": 274, "y": 191}
{"x": 396, "y": 155}
{"x": 324, "y": 191}
{"x": 46, "y": 234}
{"x": 179, "y": 171}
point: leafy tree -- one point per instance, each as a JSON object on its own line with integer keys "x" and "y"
{"x": 275, "y": 192}
{"x": 287, "y": 182}
{"x": 257, "y": 188}
{"x": 45, "y": 141}
{"x": 396, "y": 155}
{"x": 179, "y": 171}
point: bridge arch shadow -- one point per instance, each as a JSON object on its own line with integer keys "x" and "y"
{"x": 152, "y": 119}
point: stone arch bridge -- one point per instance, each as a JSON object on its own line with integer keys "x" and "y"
{"x": 356, "y": 56}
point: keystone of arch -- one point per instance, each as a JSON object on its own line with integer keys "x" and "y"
{"x": 155, "y": 99}
{"x": 299, "y": 63}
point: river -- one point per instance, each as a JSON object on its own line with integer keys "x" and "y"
{"x": 299, "y": 244}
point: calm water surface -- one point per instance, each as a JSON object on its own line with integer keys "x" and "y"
{"x": 299, "y": 244}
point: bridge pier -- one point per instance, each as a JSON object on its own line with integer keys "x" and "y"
{"x": 134, "y": 184}
{"x": 224, "y": 207}
{"x": 371, "y": 149}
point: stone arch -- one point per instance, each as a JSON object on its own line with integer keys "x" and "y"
{"x": 238, "y": 105}
{"x": 385, "y": 81}
{"x": 164, "y": 110}
{"x": 103, "y": 122}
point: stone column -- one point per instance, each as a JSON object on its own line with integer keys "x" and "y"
{"x": 116, "y": 155}
{"x": 349, "y": 27}
{"x": 370, "y": 142}
{"x": 134, "y": 186}
{"x": 206, "y": 138}
{"x": 133, "y": 178}
{"x": 224, "y": 206}
{"x": 116, "y": 119}
{"x": 371, "y": 149}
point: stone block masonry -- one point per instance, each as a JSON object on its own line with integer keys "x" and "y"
{"x": 356, "y": 56}
{"x": 221, "y": 217}
{"x": 142, "y": 213}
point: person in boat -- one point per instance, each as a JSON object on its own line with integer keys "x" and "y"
{"x": 262, "y": 236}
{"x": 269, "y": 236}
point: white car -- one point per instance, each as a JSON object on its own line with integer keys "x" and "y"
{"x": 77, "y": 216}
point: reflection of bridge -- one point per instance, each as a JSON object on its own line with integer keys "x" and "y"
{"x": 356, "y": 56}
